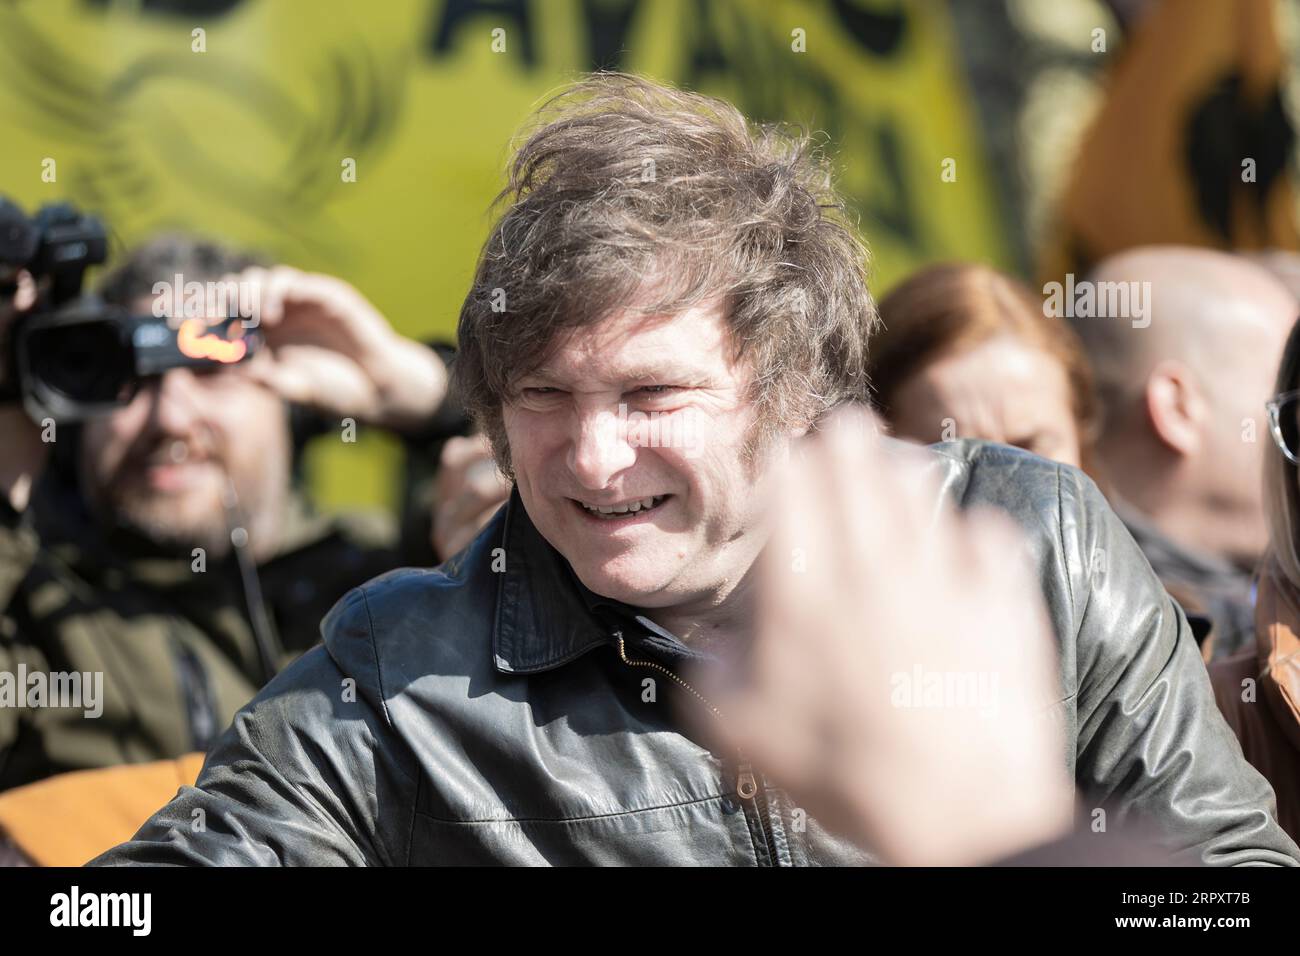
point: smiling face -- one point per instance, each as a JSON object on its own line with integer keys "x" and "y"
{"x": 630, "y": 453}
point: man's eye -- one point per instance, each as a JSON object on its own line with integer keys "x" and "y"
{"x": 542, "y": 390}
{"x": 656, "y": 389}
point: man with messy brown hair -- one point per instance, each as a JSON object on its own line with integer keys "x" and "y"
{"x": 663, "y": 320}
{"x": 628, "y": 194}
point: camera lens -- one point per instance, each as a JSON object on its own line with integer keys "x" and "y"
{"x": 86, "y": 362}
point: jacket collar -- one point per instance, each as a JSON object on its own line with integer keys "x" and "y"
{"x": 544, "y": 617}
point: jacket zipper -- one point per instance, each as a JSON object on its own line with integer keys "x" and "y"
{"x": 746, "y": 779}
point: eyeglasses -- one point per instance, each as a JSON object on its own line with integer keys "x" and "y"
{"x": 1284, "y": 423}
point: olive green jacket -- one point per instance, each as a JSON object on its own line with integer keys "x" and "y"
{"x": 166, "y": 639}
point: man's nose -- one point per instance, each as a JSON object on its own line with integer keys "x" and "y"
{"x": 177, "y": 402}
{"x": 601, "y": 448}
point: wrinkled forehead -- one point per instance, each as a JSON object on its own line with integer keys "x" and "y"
{"x": 694, "y": 345}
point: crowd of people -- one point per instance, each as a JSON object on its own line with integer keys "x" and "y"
{"x": 947, "y": 578}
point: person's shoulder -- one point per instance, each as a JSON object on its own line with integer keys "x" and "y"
{"x": 410, "y": 597}
{"x": 396, "y": 598}
{"x": 406, "y": 594}
{"x": 1058, "y": 506}
{"x": 418, "y": 620}
{"x": 980, "y": 472}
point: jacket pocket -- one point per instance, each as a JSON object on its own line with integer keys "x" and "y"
{"x": 711, "y": 831}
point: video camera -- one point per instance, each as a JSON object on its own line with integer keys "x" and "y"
{"x": 73, "y": 356}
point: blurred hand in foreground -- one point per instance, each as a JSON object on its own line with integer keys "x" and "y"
{"x": 901, "y": 668}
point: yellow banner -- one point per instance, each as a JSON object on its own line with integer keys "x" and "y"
{"x": 367, "y": 139}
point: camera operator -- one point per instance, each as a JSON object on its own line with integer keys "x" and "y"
{"x": 163, "y": 544}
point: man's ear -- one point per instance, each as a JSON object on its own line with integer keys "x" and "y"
{"x": 1176, "y": 407}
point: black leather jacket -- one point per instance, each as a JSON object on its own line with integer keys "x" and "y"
{"x": 482, "y": 713}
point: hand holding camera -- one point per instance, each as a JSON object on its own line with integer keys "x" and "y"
{"x": 330, "y": 349}
{"x": 42, "y": 262}
{"x": 71, "y": 356}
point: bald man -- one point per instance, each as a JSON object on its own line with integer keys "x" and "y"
{"x": 1182, "y": 396}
